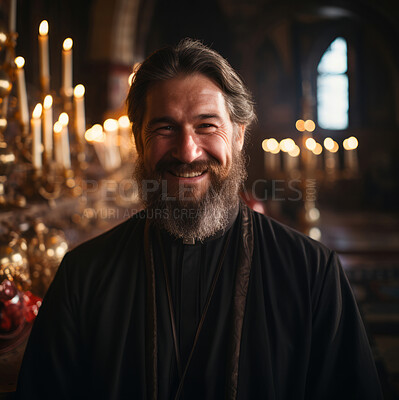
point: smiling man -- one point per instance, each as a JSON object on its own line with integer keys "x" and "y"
{"x": 193, "y": 149}
{"x": 197, "y": 297}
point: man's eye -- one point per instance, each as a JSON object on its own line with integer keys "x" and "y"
{"x": 205, "y": 126}
{"x": 165, "y": 129}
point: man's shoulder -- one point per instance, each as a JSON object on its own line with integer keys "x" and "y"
{"x": 285, "y": 240}
{"x": 129, "y": 233}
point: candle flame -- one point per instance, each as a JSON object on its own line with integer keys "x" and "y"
{"x": 79, "y": 91}
{"x": 19, "y": 62}
{"x": 123, "y": 121}
{"x": 335, "y": 147}
{"x": 318, "y": 149}
{"x": 272, "y": 145}
{"x": 300, "y": 125}
{"x": 287, "y": 145}
{"x": 95, "y": 134}
{"x": 309, "y": 125}
{"x": 352, "y": 143}
{"x": 48, "y": 102}
{"x": 37, "y": 111}
{"x": 328, "y": 143}
{"x": 57, "y": 127}
{"x": 67, "y": 45}
{"x": 310, "y": 144}
{"x": 110, "y": 125}
{"x": 295, "y": 152}
{"x": 63, "y": 119}
{"x": 43, "y": 28}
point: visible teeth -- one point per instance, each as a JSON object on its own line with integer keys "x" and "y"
{"x": 188, "y": 174}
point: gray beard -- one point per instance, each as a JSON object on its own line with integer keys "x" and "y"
{"x": 197, "y": 218}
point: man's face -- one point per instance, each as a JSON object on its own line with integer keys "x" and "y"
{"x": 188, "y": 136}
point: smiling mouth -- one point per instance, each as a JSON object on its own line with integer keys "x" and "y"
{"x": 191, "y": 174}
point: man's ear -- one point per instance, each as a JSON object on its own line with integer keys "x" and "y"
{"x": 240, "y": 136}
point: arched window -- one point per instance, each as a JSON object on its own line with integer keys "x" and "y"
{"x": 333, "y": 87}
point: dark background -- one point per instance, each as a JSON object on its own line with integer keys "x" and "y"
{"x": 274, "y": 45}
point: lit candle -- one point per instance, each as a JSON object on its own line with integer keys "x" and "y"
{"x": 350, "y": 154}
{"x": 44, "y": 57}
{"x": 125, "y": 136}
{"x": 67, "y": 86}
{"x": 36, "y": 126}
{"x": 80, "y": 117}
{"x": 22, "y": 95}
{"x": 317, "y": 151}
{"x": 272, "y": 155}
{"x": 311, "y": 159}
{"x": 287, "y": 145}
{"x": 331, "y": 161}
{"x": 13, "y": 16}
{"x": 48, "y": 127}
{"x": 111, "y": 135}
{"x": 66, "y": 152}
{"x": 58, "y": 143}
{"x": 95, "y": 136}
{"x": 293, "y": 158}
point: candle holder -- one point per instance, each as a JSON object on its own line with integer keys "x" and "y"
{"x": 14, "y": 264}
{"x": 46, "y": 248}
{"x": 51, "y": 184}
{"x": 7, "y": 157}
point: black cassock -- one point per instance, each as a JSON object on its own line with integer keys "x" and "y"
{"x": 282, "y": 322}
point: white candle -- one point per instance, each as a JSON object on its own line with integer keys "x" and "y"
{"x": 13, "y": 16}
{"x": 66, "y": 152}
{"x": 331, "y": 158}
{"x": 292, "y": 158}
{"x": 44, "y": 56}
{"x": 48, "y": 127}
{"x": 111, "y": 137}
{"x": 58, "y": 143}
{"x": 350, "y": 154}
{"x": 272, "y": 155}
{"x": 22, "y": 95}
{"x": 67, "y": 85}
{"x": 317, "y": 151}
{"x": 125, "y": 136}
{"x": 96, "y": 137}
{"x": 286, "y": 161}
{"x": 36, "y": 125}
{"x": 80, "y": 116}
{"x": 351, "y": 160}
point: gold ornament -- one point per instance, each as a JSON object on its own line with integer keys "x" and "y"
{"x": 46, "y": 250}
{"x": 14, "y": 262}
{"x": 5, "y": 85}
{"x": 3, "y": 36}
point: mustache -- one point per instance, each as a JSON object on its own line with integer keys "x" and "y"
{"x": 176, "y": 166}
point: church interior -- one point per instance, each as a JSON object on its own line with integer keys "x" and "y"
{"x": 321, "y": 156}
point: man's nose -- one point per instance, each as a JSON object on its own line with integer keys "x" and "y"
{"x": 187, "y": 147}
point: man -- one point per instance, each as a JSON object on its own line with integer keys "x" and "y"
{"x": 197, "y": 297}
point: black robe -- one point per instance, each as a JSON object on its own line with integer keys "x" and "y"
{"x": 301, "y": 336}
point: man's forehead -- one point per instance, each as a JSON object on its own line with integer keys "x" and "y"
{"x": 185, "y": 91}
